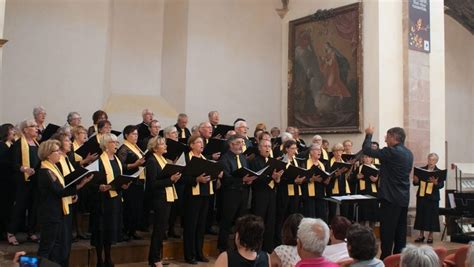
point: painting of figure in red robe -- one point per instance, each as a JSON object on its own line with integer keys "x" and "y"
{"x": 325, "y": 71}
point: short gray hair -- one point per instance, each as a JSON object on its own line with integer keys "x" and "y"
{"x": 71, "y": 114}
{"x": 314, "y": 146}
{"x": 240, "y": 124}
{"x": 431, "y": 155}
{"x": 423, "y": 256}
{"x": 105, "y": 138}
{"x": 317, "y": 136}
{"x": 38, "y": 110}
{"x": 285, "y": 136}
{"x": 169, "y": 130}
{"x": 25, "y": 124}
{"x": 145, "y": 111}
{"x": 313, "y": 235}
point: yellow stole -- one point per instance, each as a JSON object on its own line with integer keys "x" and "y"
{"x": 98, "y": 136}
{"x": 311, "y": 192}
{"x": 426, "y": 188}
{"x": 376, "y": 161}
{"x": 109, "y": 172}
{"x": 76, "y": 146}
{"x": 171, "y": 194}
{"x": 137, "y": 151}
{"x": 271, "y": 184}
{"x": 325, "y": 154}
{"x": 291, "y": 187}
{"x": 244, "y": 145}
{"x": 25, "y": 155}
{"x": 196, "y": 189}
{"x": 183, "y": 133}
{"x": 66, "y": 201}
{"x": 271, "y": 153}
{"x": 335, "y": 189}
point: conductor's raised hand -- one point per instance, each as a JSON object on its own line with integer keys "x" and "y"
{"x": 370, "y": 129}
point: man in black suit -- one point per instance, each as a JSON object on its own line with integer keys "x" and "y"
{"x": 143, "y": 128}
{"x": 394, "y": 192}
{"x": 183, "y": 131}
{"x": 213, "y": 118}
{"x": 234, "y": 190}
{"x": 264, "y": 194}
{"x": 241, "y": 128}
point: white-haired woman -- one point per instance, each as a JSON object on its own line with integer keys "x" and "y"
{"x": 39, "y": 115}
{"x": 423, "y": 256}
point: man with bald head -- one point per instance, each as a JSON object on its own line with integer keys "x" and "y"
{"x": 313, "y": 236}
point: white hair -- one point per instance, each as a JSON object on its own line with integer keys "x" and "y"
{"x": 423, "y": 256}
{"x": 285, "y": 136}
{"x": 313, "y": 235}
{"x": 72, "y": 114}
{"x": 240, "y": 124}
{"x": 38, "y": 110}
{"x": 25, "y": 124}
{"x": 317, "y": 136}
{"x": 108, "y": 137}
{"x": 145, "y": 111}
{"x": 433, "y": 155}
{"x": 169, "y": 130}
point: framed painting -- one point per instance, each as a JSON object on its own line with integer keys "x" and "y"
{"x": 325, "y": 71}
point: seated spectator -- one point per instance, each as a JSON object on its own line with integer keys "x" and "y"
{"x": 313, "y": 235}
{"x": 470, "y": 255}
{"x": 423, "y": 256}
{"x": 286, "y": 255}
{"x": 248, "y": 241}
{"x": 338, "y": 248}
{"x": 362, "y": 246}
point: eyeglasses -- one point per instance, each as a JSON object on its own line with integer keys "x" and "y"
{"x": 32, "y": 126}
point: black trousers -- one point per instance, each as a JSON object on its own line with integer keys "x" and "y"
{"x": 195, "y": 215}
{"x": 161, "y": 210}
{"x": 264, "y": 205}
{"x": 393, "y": 228}
{"x": 24, "y": 202}
{"x": 287, "y": 205}
{"x": 308, "y": 206}
{"x": 234, "y": 205}
{"x": 55, "y": 242}
{"x": 177, "y": 207}
{"x": 321, "y": 209}
{"x": 133, "y": 206}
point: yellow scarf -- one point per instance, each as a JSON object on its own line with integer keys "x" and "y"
{"x": 335, "y": 189}
{"x": 109, "y": 172}
{"x": 196, "y": 189}
{"x": 66, "y": 201}
{"x": 137, "y": 151}
{"x": 171, "y": 194}
{"x": 311, "y": 192}
{"x": 66, "y": 165}
{"x": 291, "y": 187}
{"x": 25, "y": 155}
{"x": 325, "y": 154}
{"x": 373, "y": 186}
{"x": 76, "y": 146}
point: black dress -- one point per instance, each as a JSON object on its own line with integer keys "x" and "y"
{"x": 427, "y": 207}
{"x": 7, "y": 186}
{"x": 106, "y": 215}
{"x": 368, "y": 211}
{"x": 234, "y": 259}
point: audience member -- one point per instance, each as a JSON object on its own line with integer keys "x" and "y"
{"x": 423, "y": 256}
{"x": 313, "y": 235}
{"x": 286, "y": 255}
{"x": 362, "y": 246}
{"x": 338, "y": 248}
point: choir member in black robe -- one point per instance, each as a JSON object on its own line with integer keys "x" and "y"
{"x": 132, "y": 157}
{"x": 163, "y": 194}
{"x": 143, "y": 127}
{"x": 98, "y": 116}
{"x": 264, "y": 194}
{"x": 7, "y": 185}
{"x": 427, "y": 202}
{"x": 338, "y": 184}
{"x": 181, "y": 127}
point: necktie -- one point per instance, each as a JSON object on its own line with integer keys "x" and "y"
{"x": 239, "y": 165}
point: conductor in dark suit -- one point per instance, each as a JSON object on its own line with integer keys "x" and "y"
{"x": 394, "y": 191}
{"x": 235, "y": 190}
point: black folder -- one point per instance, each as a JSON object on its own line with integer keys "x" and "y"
{"x": 183, "y": 140}
{"x": 340, "y": 165}
{"x": 348, "y": 157}
{"x": 323, "y": 174}
{"x": 91, "y": 146}
{"x": 253, "y": 150}
{"x": 215, "y": 145}
{"x": 425, "y": 175}
{"x": 174, "y": 149}
{"x": 222, "y": 129}
{"x": 125, "y": 179}
{"x": 116, "y": 133}
{"x": 292, "y": 172}
{"x": 275, "y": 165}
{"x": 171, "y": 169}
{"x": 197, "y": 166}
{"x": 49, "y": 131}
{"x": 240, "y": 173}
{"x": 368, "y": 171}
{"x": 75, "y": 176}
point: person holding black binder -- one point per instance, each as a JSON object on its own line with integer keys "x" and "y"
{"x": 163, "y": 195}
{"x": 427, "y": 201}
{"x": 365, "y": 178}
{"x": 106, "y": 215}
{"x": 196, "y": 204}
{"x": 25, "y": 162}
{"x": 132, "y": 157}
{"x": 181, "y": 126}
{"x": 338, "y": 185}
{"x": 264, "y": 193}
{"x": 289, "y": 189}
{"x": 234, "y": 190}
{"x": 98, "y": 116}
{"x": 314, "y": 192}
{"x": 54, "y": 204}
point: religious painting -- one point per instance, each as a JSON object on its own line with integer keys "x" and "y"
{"x": 325, "y": 71}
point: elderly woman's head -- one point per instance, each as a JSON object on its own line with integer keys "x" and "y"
{"x": 423, "y": 256}
{"x": 39, "y": 114}
{"x": 79, "y": 133}
{"x": 157, "y": 144}
{"x": 64, "y": 140}
{"x": 109, "y": 143}
{"x": 29, "y": 128}
{"x": 171, "y": 132}
{"x": 49, "y": 150}
{"x": 313, "y": 236}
